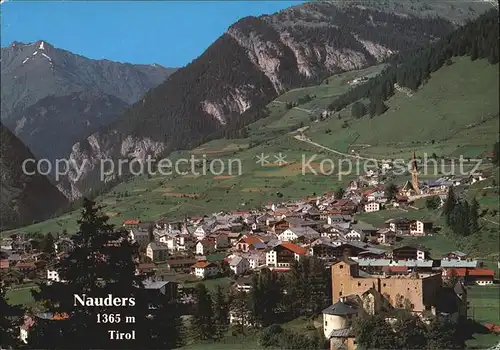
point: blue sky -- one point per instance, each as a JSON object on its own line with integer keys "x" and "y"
{"x": 168, "y": 33}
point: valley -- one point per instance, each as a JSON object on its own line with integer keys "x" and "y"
{"x": 459, "y": 126}
{"x": 321, "y": 177}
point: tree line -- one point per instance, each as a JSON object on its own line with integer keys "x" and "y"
{"x": 407, "y": 332}
{"x": 461, "y": 217}
{"x": 273, "y": 298}
{"x": 477, "y": 39}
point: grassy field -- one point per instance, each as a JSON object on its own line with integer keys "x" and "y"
{"x": 249, "y": 340}
{"x": 20, "y": 296}
{"x": 455, "y": 109}
{"x": 484, "y": 307}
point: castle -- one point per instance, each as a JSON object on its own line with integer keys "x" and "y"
{"x": 355, "y": 291}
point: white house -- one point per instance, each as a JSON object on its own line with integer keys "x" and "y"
{"x": 372, "y": 207}
{"x": 203, "y": 269}
{"x": 53, "y": 275}
{"x": 140, "y": 236}
{"x": 294, "y": 233}
{"x": 205, "y": 246}
{"x": 284, "y": 254}
{"x": 256, "y": 259}
{"x": 355, "y": 235}
{"x": 242, "y": 318}
{"x": 239, "y": 265}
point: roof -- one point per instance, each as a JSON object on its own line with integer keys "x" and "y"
{"x": 131, "y": 222}
{"x": 459, "y": 263}
{"x": 461, "y": 272}
{"x": 251, "y": 239}
{"x": 155, "y": 284}
{"x": 340, "y": 309}
{"x": 457, "y": 253}
{"x": 236, "y": 260}
{"x": 304, "y": 231}
{"x": 174, "y": 262}
{"x": 202, "y": 265}
{"x": 294, "y": 248}
{"x": 341, "y": 333}
{"x": 157, "y": 246}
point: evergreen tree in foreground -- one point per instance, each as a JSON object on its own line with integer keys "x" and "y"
{"x": 102, "y": 263}
{"x": 10, "y": 317}
{"x": 221, "y": 312}
{"x": 202, "y": 326}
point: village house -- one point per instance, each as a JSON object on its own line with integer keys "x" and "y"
{"x": 420, "y": 227}
{"x": 53, "y": 275}
{"x": 167, "y": 289}
{"x": 180, "y": 264}
{"x": 157, "y": 252}
{"x": 205, "y": 246}
{"x": 283, "y": 254}
{"x": 256, "y": 259}
{"x": 371, "y": 207}
{"x": 248, "y": 243}
{"x": 131, "y": 224}
{"x": 455, "y": 255}
{"x": 234, "y": 237}
{"x": 346, "y": 207}
{"x": 239, "y": 265}
{"x": 481, "y": 277}
{"x": 410, "y": 253}
{"x": 204, "y": 269}
{"x": 399, "y": 225}
{"x": 303, "y": 234}
{"x": 63, "y": 245}
{"x": 338, "y": 219}
{"x": 243, "y": 284}
{"x": 386, "y": 236}
{"x": 322, "y": 248}
{"x": 140, "y": 236}
{"x": 221, "y": 239}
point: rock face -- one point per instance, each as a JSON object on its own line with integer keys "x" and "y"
{"x": 253, "y": 62}
{"x": 51, "y": 98}
{"x": 24, "y": 198}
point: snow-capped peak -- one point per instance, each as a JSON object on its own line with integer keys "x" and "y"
{"x": 41, "y": 46}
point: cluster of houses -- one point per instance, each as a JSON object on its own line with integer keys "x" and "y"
{"x": 325, "y": 227}
{"x": 369, "y": 264}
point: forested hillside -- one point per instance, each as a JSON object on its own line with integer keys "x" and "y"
{"x": 477, "y": 39}
{"x": 24, "y": 198}
{"x": 253, "y": 62}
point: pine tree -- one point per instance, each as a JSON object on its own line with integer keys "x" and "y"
{"x": 10, "y": 318}
{"x": 48, "y": 244}
{"x": 474, "y": 216}
{"x": 221, "y": 312}
{"x": 103, "y": 262}
{"x": 270, "y": 296}
{"x": 373, "y": 332}
{"x": 391, "y": 191}
{"x": 339, "y": 193}
{"x": 203, "y": 315}
{"x": 449, "y": 205}
{"x": 411, "y": 332}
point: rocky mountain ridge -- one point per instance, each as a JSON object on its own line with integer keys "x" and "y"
{"x": 249, "y": 65}
{"x": 26, "y": 196}
{"x": 51, "y": 94}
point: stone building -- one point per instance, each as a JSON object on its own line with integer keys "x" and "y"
{"x": 417, "y": 291}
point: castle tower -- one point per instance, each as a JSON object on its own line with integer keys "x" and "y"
{"x": 414, "y": 174}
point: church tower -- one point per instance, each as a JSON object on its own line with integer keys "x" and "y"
{"x": 414, "y": 174}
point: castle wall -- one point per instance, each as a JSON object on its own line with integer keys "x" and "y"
{"x": 418, "y": 292}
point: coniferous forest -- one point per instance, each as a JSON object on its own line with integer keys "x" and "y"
{"x": 477, "y": 39}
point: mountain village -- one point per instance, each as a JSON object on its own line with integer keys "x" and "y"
{"x": 370, "y": 266}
